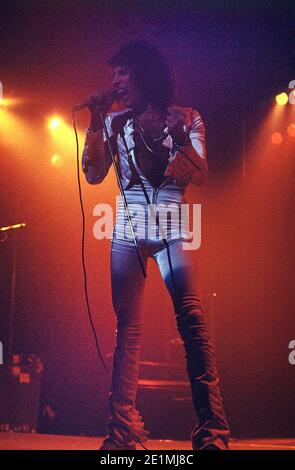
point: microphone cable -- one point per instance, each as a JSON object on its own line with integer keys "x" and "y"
{"x": 83, "y": 247}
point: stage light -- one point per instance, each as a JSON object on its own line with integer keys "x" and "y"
{"x": 1, "y": 94}
{"x": 8, "y": 102}
{"x": 56, "y": 161}
{"x": 282, "y": 99}
{"x": 54, "y": 122}
{"x": 61, "y": 134}
{"x": 277, "y": 138}
{"x": 291, "y": 129}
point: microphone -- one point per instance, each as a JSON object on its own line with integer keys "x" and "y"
{"x": 102, "y": 100}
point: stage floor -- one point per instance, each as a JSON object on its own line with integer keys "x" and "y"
{"x": 19, "y": 441}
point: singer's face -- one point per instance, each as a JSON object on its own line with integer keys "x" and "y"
{"x": 129, "y": 93}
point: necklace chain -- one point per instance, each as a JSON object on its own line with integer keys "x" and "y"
{"x": 142, "y": 132}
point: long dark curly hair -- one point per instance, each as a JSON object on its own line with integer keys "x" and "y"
{"x": 150, "y": 71}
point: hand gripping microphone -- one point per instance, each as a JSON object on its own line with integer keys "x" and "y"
{"x": 99, "y": 100}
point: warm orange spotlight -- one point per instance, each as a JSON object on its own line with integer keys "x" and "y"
{"x": 54, "y": 122}
{"x": 282, "y": 99}
{"x": 9, "y": 102}
{"x": 291, "y": 129}
{"x": 4, "y": 102}
{"x": 1, "y": 94}
{"x": 56, "y": 161}
{"x": 277, "y": 138}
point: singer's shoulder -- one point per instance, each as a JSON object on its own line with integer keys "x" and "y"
{"x": 188, "y": 111}
{"x": 191, "y": 116}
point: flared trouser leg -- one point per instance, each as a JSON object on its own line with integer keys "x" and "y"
{"x": 181, "y": 279}
{"x": 125, "y": 423}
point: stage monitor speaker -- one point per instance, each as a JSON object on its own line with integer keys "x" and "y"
{"x": 20, "y": 384}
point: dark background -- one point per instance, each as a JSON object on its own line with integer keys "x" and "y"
{"x": 230, "y": 59}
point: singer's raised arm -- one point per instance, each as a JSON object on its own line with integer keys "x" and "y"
{"x": 189, "y": 163}
{"x": 96, "y": 157}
